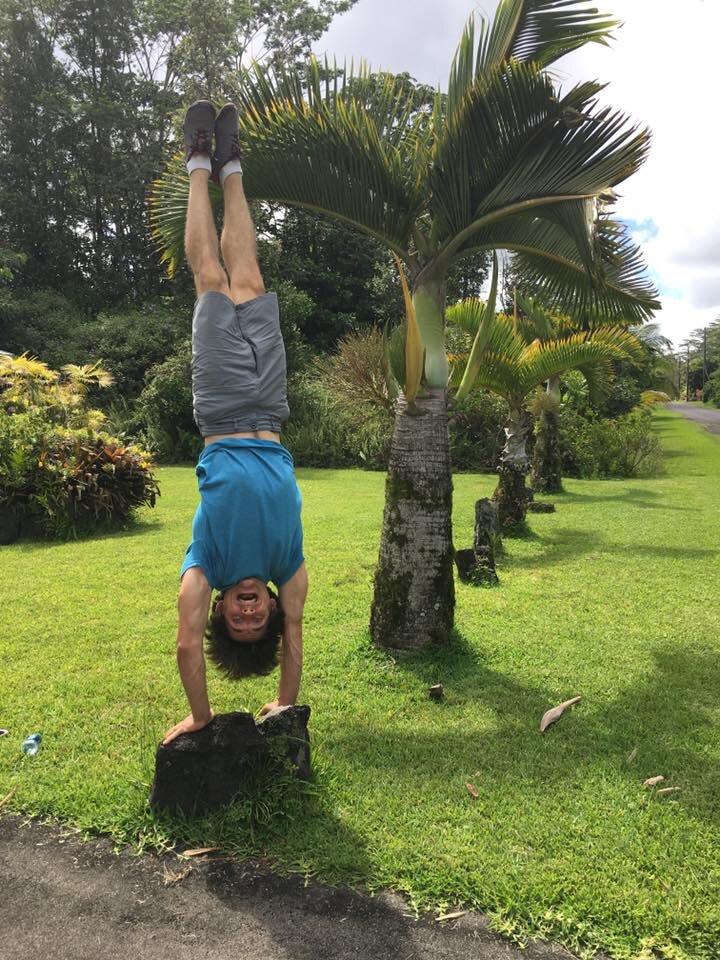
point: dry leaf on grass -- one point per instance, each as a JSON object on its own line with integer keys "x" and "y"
{"x": 550, "y": 716}
{"x": 633, "y": 754}
{"x": 450, "y": 916}
{"x": 198, "y": 851}
{"x": 8, "y": 796}
{"x": 653, "y": 781}
{"x": 472, "y": 790}
{"x": 170, "y": 878}
{"x": 669, "y": 790}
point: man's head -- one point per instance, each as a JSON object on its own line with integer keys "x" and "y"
{"x": 244, "y": 629}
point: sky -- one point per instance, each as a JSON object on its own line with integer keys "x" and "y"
{"x": 662, "y": 70}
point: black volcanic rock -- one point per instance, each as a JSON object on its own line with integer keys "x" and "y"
{"x": 204, "y": 770}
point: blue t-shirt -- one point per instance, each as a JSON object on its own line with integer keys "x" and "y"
{"x": 248, "y": 522}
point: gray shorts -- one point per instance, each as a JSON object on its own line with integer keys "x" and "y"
{"x": 239, "y": 377}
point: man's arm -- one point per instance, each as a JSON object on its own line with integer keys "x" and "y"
{"x": 193, "y": 605}
{"x": 292, "y": 600}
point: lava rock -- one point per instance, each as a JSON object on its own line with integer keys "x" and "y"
{"x": 541, "y": 506}
{"x": 206, "y": 769}
{"x": 285, "y": 731}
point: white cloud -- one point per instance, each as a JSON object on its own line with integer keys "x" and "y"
{"x": 662, "y": 71}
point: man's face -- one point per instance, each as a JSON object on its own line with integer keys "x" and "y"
{"x": 246, "y": 608}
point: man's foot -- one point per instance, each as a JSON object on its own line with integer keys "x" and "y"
{"x": 227, "y": 144}
{"x": 198, "y": 129}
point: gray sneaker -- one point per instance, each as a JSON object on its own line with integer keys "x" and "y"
{"x": 198, "y": 128}
{"x": 227, "y": 139}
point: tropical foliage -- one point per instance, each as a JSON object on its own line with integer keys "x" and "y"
{"x": 60, "y": 473}
{"x": 513, "y": 357}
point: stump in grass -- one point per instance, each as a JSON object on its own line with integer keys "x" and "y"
{"x": 478, "y": 565}
{"x": 204, "y": 770}
{"x": 540, "y": 506}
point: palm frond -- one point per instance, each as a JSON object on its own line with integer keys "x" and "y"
{"x": 87, "y": 374}
{"x": 511, "y": 145}
{"x": 650, "y": 335}
{"x": 413, "y": 366}
{"x": 540, "y": 361}
{"x": 535, "y": 323}
{"x": 349, "y": 145}
{"x": 482, "y": 337}
{"x": 618, "y": 291}
{"x": 541, "y": 31}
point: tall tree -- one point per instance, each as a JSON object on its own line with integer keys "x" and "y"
{"x": 504, "y": 161}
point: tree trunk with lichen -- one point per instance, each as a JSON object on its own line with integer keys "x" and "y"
{"x": 511, "y": 494}
{"x": 547, "y": 458}
{"x": 546, "y": 474}
{"x": 414, "y": 595}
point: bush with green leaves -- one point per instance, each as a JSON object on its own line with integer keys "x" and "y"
{"x": 165, "y": 409}
{"x": 60, "y": 482}
{"x": 623, "y": 447}
{"x": 321, "y": 433}
{"x": 60, "y": 473}
{"x": 476, "y": 431}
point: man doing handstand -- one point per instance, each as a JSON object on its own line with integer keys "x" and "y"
{"x": 247, "y": 531}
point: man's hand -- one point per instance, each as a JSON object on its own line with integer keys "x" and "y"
{"x": 188, "y": 725}
{"x": 273, "y": 705}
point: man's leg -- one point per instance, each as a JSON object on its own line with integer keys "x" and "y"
{"x": 238, "y": 244}
{"x": 201, "y": 242}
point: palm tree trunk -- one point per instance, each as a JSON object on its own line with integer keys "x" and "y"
{"x": 546, "y": 474}
{"x": 511, "y": 493}
{"x": 414, "y": 598}
{"x": 547, "y": 459}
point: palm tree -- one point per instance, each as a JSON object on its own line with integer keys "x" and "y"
{"x": 535, "y": 322}
{"x": 513, "y": 357}
{"x": 504, "y": 160}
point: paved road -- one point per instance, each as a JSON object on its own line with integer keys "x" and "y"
{"x": 62, "y": 899}
{"x": 709, "y": 417}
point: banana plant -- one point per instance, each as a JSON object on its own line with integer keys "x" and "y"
{"x": 518, "y": 356}
{"x": 503, "y": 161}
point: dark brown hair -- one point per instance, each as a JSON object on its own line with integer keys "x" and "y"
{"x": 236, "y": 659}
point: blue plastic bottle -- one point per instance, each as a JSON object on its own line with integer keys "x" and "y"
{"x": 31, "y": 744}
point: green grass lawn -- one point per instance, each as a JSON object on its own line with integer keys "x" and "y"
{"x": 613, "y": 598}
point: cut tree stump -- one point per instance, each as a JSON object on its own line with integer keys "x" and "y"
{"x": 478, "y": 565}
{"x": 206, "y": 769}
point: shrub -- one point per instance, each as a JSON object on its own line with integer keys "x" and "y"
{"x": 322, "y": 434}
{"x": 165, "y": 410}
{"x": 59, "y": 473}
{"x": 476, "y": 431}
{"x": 130, "y": 340}
{"x": 59, "y": 482}
{"x": 624, "y": 447}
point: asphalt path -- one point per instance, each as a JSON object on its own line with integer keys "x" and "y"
{"x": 62, "y": 898}
{"x": 709, "y": 417}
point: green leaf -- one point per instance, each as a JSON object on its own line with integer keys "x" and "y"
{"x": 485, "y": 324}
{"x": 541, "y": 31}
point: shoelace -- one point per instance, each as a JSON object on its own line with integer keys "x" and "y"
{"x": 200, "y": 142}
